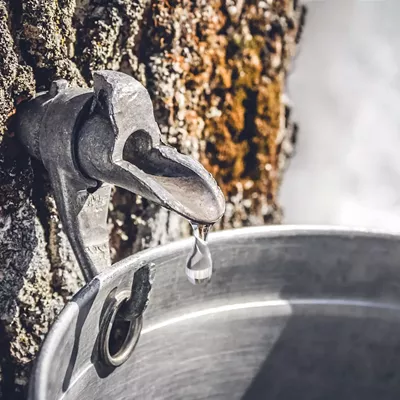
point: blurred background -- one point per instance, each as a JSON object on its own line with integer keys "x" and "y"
{"x": 345, "y": 90}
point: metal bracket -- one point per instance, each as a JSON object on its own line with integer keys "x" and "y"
{"x": 127, "y": 307}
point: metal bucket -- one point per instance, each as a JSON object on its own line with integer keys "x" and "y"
{"x": 291, "y": 313}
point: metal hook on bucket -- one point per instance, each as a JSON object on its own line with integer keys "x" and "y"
{"x": 126, "y": 306}
{"x": 117, "y": 358}
{"x": 89, "y": 140}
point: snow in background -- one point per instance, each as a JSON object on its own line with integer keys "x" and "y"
{"x": 345, "y": 89}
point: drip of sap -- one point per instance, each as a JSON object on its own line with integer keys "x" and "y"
{"x": 199, "y": 264}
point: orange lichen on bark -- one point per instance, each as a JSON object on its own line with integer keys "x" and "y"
{"x": 230, "y": 65}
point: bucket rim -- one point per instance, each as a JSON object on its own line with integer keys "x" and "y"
{"x": 38, "y": 380}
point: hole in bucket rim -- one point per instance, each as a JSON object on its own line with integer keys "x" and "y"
{"x": 119, "y": 331}
{"x": 118, "y": 336}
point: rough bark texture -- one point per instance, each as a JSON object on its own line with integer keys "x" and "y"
{"x": 216, "y": 72}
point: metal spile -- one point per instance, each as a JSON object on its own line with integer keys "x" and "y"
{"x": 90, "y": 139}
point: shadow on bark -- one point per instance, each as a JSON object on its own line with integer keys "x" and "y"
{"x": 18, "y": 242}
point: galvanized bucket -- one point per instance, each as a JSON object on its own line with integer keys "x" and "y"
{"x": 291, "y": 313}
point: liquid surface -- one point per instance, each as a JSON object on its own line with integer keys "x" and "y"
{"x": 199, "y": 264}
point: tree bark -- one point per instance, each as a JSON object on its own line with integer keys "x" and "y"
{"x": 216, "y": 72}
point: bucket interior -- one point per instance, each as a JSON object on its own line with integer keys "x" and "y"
{"x": 288, "y": 315}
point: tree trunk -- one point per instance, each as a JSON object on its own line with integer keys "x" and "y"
{"x": 216, "y": 72}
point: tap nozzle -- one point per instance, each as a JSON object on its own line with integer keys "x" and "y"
{"x": 88, "y": 139}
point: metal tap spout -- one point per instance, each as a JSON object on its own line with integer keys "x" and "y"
{"x": 121, "y": 144}
{"x": 88, "y": 139}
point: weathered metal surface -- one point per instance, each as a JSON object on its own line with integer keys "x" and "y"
{"x": 291, "y": 313}
{"x": 88, "y": 140}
